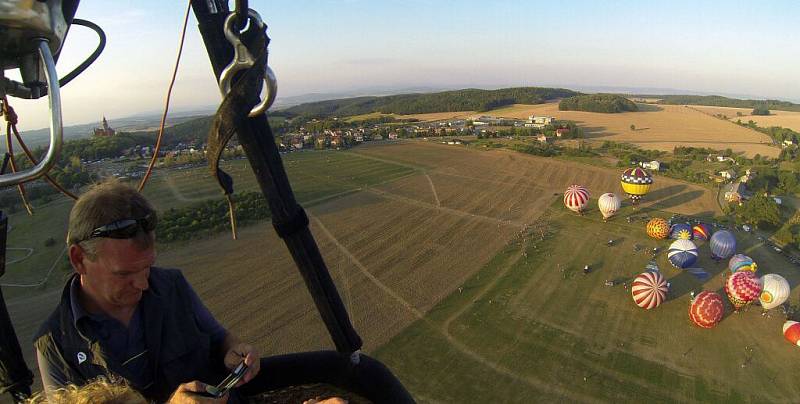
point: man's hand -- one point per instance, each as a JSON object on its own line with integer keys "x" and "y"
{"x": 251, "y": 358}
{"x": 188, "y": 393}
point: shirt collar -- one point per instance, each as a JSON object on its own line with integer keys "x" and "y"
{"x": 78, "y": 311}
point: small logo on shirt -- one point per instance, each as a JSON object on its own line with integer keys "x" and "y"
{"x": 81, "y": 357}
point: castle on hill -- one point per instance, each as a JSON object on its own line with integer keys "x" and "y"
{"x": 105, "y": 131}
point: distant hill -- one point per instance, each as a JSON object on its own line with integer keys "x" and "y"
{"x": 446, "y": 101}
{"x": 607, "y": 103}
{"x": 719, "y": 101}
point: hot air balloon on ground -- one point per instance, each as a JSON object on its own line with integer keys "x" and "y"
{"x": 706, "y": 309}
{"x": 682, "y": 254}
{"x": 742, "y": 288}
{"x": 791, "y": 331}
{"x": 723, "y": 245}
{"x": 576, "y": 198}
{"x": 636, "y": 183}
{"x": 701, "y": 231}
{"x": 741, "y": 262}
{"x": 680, "y": 231}
{"x": 774, "y": 291}
{"x": 649, "y": 289}
{"x": 609, "y": 203}
{"x": 657, "y": 228}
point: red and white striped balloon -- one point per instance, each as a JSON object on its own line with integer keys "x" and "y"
{"x": 649, "y": 289}
{"x": 576, "y": 198}
{"x": 791, "y": 331}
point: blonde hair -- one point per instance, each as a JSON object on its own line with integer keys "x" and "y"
{"x": 98, "y": 391}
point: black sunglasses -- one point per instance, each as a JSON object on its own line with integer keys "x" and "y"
{"x": 125, "y": 228}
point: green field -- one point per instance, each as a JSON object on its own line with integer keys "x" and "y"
{"x": 315, "y": 176}
{"x": 530, "y": 327}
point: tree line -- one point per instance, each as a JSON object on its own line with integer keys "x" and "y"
{"x": 607, "y": 103}
{"x": 446, "y": 101}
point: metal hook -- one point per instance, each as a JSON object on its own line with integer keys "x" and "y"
{"x": 243, "y": 59}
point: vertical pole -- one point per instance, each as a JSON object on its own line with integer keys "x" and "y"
{"x": 262, "y": 152}
{"x": 15, "y": 377}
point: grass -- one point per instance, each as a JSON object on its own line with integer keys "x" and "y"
{"x": 314, "y": 176}
{"x": 522, "y": 328}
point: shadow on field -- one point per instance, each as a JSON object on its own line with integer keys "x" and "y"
{"x": 683, "y": 283}
{"x": 679, "y": 199}
{"x": 593, "y": 131}
{"x": 662, "y": 193}
{"x": 649, "y": 108}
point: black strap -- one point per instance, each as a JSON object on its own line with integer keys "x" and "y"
{"x": 298, "y": 221}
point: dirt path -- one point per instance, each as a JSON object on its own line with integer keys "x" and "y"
{"x": 433, "y": 189}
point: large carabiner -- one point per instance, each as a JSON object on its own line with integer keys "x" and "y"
{"x": 243, "y": 59}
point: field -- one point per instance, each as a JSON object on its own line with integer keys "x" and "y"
{"x": 394, "y": 249}
{"x": 401, "y": 225}
{"x": 529, "y": 326}
{"x": 786, "y": 119}
{"x": 659, "y": 127}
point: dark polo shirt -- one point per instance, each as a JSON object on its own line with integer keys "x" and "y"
{"x": 125, "y": 347}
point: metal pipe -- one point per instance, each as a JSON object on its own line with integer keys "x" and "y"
{"x": 56, "y": 124}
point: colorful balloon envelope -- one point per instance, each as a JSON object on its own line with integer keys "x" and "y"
{"x": 701, "y": 231}
{"x": 706, "y": 309}
{"x": 576, "y": 198}
{"x": 609, "y": 204}
{"x": 682, "y": 254}
{"x": 636, "y": 183}
{"x": 741, "y": 262}
{"x": 791, "y": 331}
{"x": 658, "y": 228}
{"x": 722, "y": 244}
{"x": 774, "y": 291}
{"x": 680, "y": 231}
{"x": 742, "y": 288}
{"x": 649, "y": 290}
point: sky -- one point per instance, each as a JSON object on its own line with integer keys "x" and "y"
{"x": 335, "y": 46}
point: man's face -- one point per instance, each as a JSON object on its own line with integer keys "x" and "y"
{"x": 119, "y": 274}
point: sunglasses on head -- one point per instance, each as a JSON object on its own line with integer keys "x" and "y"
{"x": 125, "y": 228}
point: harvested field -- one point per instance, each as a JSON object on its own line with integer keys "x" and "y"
{"x": 394, "y": 249}
{"x": 401, "y": 225}
{"x": 786, "y": 119}
{"x": 660, "y": 127}
{"x": 438, "y": 116}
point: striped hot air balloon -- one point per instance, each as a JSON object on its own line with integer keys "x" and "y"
{"x": 706, "y": 309}
{"x": 722, "y": 244}
{"x": 649, "y": 289}
{"x": 609, "y": 203}
{"x": 682, "y": 254}
{"x": 701, "y": 231}
{"x": 791, "y": 331}
{"x": 774, "y": 291}
{"x": 680, "y": 231}
{"x": 741, "y": 262}
{"x": 636, "y": 183}
{"x": 576, "y": 198}
{"x": 657, "y": 228}
{"x": 742, "y": 288}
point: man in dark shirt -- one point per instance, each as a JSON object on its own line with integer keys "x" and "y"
{"x": 121, "y": 317}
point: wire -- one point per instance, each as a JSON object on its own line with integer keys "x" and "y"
{"x": 86, "y": 63}
{"x": 89, "y": 60}
{"x": 166, "y": 103}
{"x": 11, "y": 127}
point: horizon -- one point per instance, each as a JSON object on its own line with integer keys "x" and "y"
{"x": 347, "y": 47}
